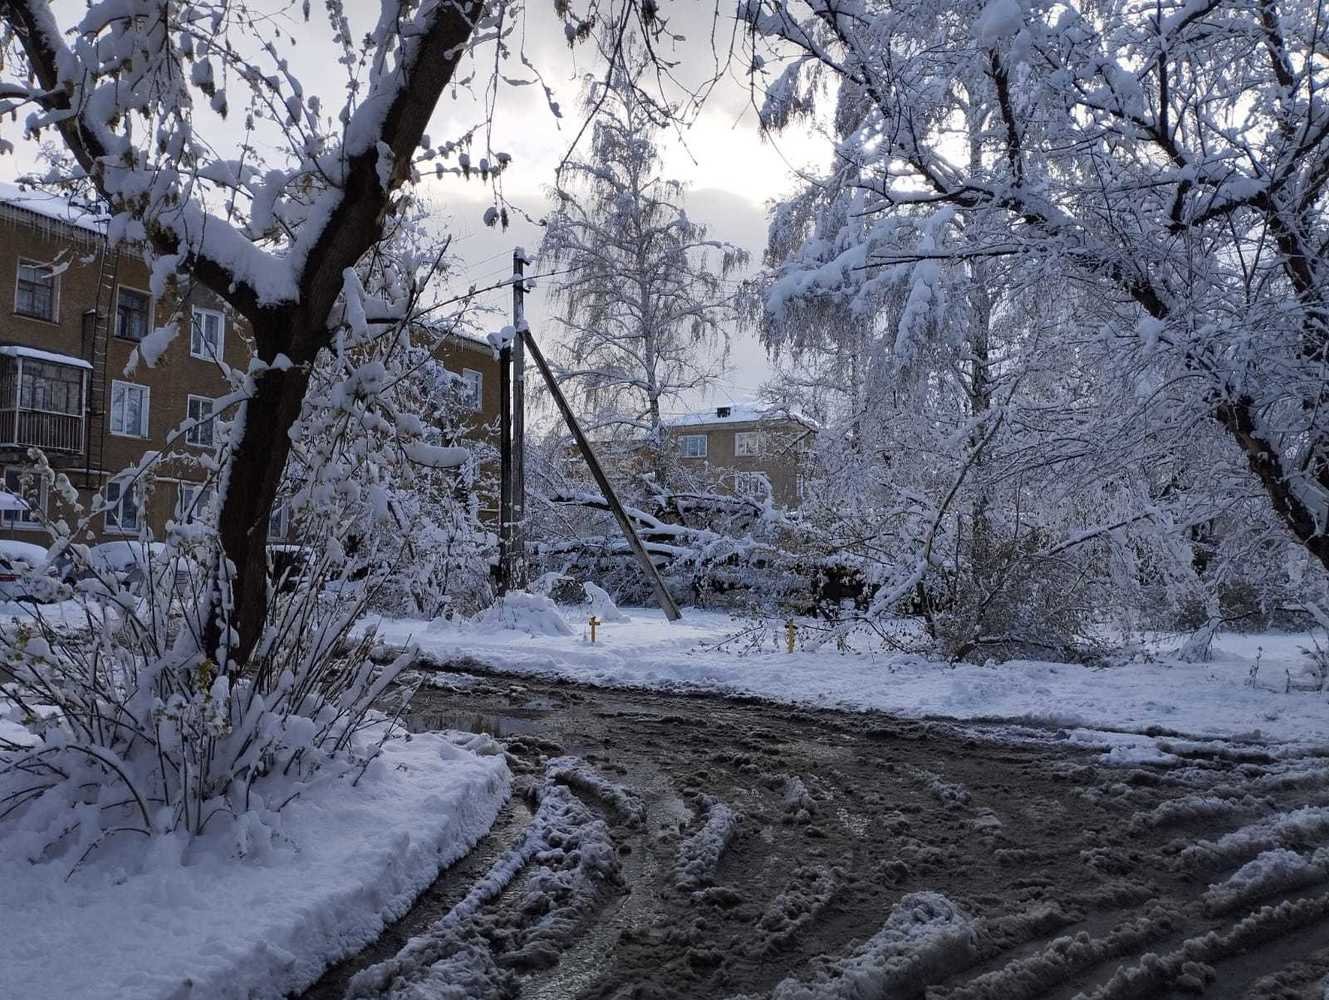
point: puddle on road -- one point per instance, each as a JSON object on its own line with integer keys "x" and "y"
{"x": 497, "y": 726}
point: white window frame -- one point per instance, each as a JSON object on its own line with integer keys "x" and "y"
{"x": 147, "y": 321}
{"x": 747, "y": 444}
{"x": 220, "y": 316}
{"x": 473, "y": 388}
{"x": 686, "y": 442}
{"x": 189, "y": 498}
{"x": 147, "y": 409}
{"x": 18, "y": 520}
{"x": 114, "y": 512}
{"x": 751, "y": 485}
{"x": 26, "y": 365}
{"x": 54, "y": 317}
{"x": 206, "y": 425}
{"x": 283, "y": 515}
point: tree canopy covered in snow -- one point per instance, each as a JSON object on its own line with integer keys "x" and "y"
{"x": 646, "y": 304}
{"x": 1065, "y": 269}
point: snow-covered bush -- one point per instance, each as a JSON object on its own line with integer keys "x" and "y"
{"x": 130, "y": 725}
{"x": 1017, "y": 602}
{"x": 522, "y": 611}
{"x": 387, "y": 442}
{"x": 119, "y": 725}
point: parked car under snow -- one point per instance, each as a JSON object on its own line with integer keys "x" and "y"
{"x": 17, "y": 561}
{"x": 133, "y": 562}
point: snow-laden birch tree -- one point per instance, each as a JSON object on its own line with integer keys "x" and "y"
{"x": 645, "y": 302}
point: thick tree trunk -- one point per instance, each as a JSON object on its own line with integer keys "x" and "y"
{"x": 1305, "y": 524}
{"x": 254, "y": 477}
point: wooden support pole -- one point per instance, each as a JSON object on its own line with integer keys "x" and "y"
{"x": 505, "y": 469}
{"x": 629, "y": 532}
{"x": 517, "y": 537}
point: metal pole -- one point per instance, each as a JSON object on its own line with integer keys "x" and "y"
{"x": 661, "y": 595}
{"x": 518, "y": 536}
{"x": 505, "y": 470}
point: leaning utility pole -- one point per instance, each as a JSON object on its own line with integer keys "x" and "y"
{"x": 662, "y": 597}
{"x": 512, "y": 451}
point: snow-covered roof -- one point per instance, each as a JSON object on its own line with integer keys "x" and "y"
{"x": 19, "y": 351}
{"x": 737, "y": 413}
{"x": 470, "y": 338}
{"x": 54, "y": 206}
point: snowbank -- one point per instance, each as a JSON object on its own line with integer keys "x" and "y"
{"x": 1214, "y": 699}
{"x": 220, "y": 927}
{"x": 601, "y": 605}
{"x": 519, "y": 611}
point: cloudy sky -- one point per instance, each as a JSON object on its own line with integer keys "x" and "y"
{"x": 730, "y": 170}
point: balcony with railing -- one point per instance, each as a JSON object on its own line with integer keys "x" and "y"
{"x": 42, "y": 400}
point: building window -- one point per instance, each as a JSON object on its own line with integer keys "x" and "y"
{"x": 122, "y": 508}
{"x": 279, "y": 520}
{"x": 129, "y": 409}
{"x": 472, "y": 388}
{"x": 751, "y": 486}
{"x": 34, "y": 496}
{"x": 132, "y": 308}
{"x": 205, "y": 335}
{"x": 193, "y": 501}
{"x": 747, "y": 444}
{"x": 51, "y": 388}
{"x": 35, "y": 293}
{"x": 199, "y": 412}
{"x": 693, "y": 445}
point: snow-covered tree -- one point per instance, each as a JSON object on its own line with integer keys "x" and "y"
{"x": 199, "y": 700}
{"x": 193, "y": 127}
{"x": 1167, "y": 160}
{"x": 642, "y": 286}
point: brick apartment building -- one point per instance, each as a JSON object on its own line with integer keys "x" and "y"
{"x": 729, "y": 446}
{"x": 71, "y": 314}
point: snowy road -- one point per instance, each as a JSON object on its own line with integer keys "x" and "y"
{"x": 691, "y": 846}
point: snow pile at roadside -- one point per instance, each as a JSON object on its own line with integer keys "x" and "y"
{"x": 1274, "y": 871}
{"x": 206, "y": 923}
{"x": 519, "y": 611}
{"x": 1165, "y": 695}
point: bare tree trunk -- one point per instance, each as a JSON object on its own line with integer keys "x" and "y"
{"x": 254, "y": 476}
{"x": 659, "y": 460}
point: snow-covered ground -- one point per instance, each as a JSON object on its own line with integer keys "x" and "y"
{"x": 1158, "y": 692}
{"x": 221, "y": 927}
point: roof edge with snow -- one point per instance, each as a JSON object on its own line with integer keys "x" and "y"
{"x": 19, "y": 351}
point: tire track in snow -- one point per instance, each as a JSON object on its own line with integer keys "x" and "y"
{"x": 1072, "y": 876}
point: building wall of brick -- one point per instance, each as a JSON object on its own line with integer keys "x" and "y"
{"x": 170, "y": 382}
{"x": 781, "y": 444}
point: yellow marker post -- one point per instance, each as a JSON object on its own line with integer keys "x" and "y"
{"x": 791, "y": 634}
{"x": 594, "y": 623}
